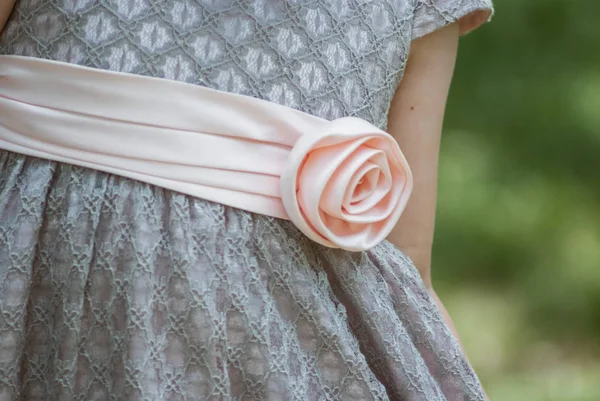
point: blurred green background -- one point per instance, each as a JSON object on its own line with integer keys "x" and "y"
{"x": 517, "y": 251}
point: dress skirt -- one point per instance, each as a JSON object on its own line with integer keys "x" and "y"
{"x": 112, "y": 289}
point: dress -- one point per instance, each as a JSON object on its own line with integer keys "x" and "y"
{"x": 112, "y": 289}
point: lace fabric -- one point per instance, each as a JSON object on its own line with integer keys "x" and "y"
{"x": 114, "y": 289}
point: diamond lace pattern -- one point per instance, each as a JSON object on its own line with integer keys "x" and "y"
{"x": 111, "y": 289}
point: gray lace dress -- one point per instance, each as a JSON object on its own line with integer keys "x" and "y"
{"x": 111, "y": 289}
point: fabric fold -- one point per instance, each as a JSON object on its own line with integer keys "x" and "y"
{"x": 227, "y": 148}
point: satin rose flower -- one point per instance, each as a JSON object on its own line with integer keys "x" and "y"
{"x": 346, "y": 187}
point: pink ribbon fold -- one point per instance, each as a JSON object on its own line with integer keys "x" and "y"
{"x": 343, "y": 183}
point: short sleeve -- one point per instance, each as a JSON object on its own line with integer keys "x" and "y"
{"x": 431, "y": 15}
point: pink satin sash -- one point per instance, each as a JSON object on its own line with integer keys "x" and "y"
{"x": 344, "y": 183}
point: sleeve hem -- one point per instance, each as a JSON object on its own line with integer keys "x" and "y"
{"x": 470, "y": 18}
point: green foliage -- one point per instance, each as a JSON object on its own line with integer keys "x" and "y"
{"x": 517, "y": 252}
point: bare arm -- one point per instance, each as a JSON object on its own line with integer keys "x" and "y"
{"x": 415, "y": 120}
{"x": 6, "y": 7}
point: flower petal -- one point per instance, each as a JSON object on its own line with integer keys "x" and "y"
{"x": 303, "y": 181}
{"x": 360, "y": 211}
{"x": 339, "y": 182}
{"x": 362, "y": 185}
